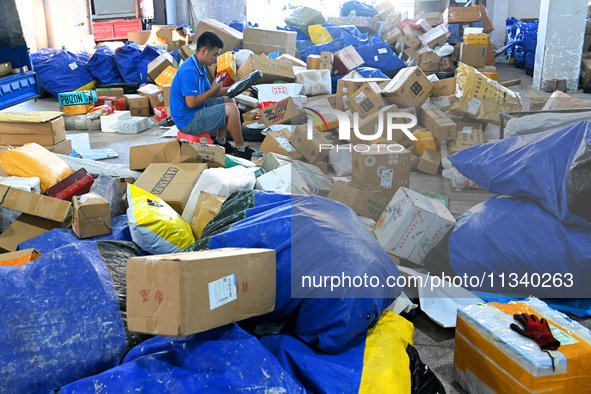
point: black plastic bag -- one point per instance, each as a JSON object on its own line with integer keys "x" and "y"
{"x": 423, "y": 380}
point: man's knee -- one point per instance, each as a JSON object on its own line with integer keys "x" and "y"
{"x": 231, "y": 110}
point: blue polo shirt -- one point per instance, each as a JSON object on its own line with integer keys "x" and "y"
{"x": 189, "y": 80}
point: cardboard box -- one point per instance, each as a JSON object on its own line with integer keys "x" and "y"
{"x": 585, "y": 72}
{"x": 392, "y": 36}
{"x": 108, "y": 120}
{"x": 447, "y": 64}
{"x": 16, "y": 259}
{"x": 429, "y": 162}
{"x": 143, "y": 112}
{"x": 346, "y": 60}
{"x": 78, "y": 109}
{"x": 384, "y": 9}
{"x": 140, "y": 37}
{"x": 489, "y": 72}
{"x": 46, "y": 129}
{"x": 444, "y": 87}
{"x": 285, "y": 179}
{"x": 27, "y": 227}
{"x": 313, "y": 150}
{"x": 174, "y": 152}
{"x": 273, "y": 69}
{"x": 208, "y": 205}
{"x": 473, "y": 55}
{"x": 413, "y": 43}
{"x": 187, "y": 293}
{"x": 283, "y": 112}
{"x": 370, "y": 125}
{"x": 484, "y": 19}
{"x": 169, "y": 35}
{"x": 92, "y": 216}
{"x": 268, "y": 41}
{"x": 77, "y": 184}
{"x": 118, "y": 102}
{"x": 136, "y": 101}
{"x": 364, "y": 204}
{"x": 381, "y": 171}
{"x": 161, "y": 63}
{"x": 63, "y": 148}
{"x": 412, "y": 225}
{"x": 435, "y": 36}
{"x": 346, "y": 87}
{"x": 123, "y": 182}
{"x": 438, "y": 123}
{"x": 232, "y": 38}
{"x": 469, "y": 134}
{"x": 278, "y": 142}
{"x": 166, "y": 95}
{"x": 429, "y": 62}
{"x": 434, "y": 18}
{"x": 313, "y": 62}
{"x": 155, "y": 95}
{"x": 166, "y": 76}
{"x": 367, "y": 100}
{"x": 461, "y": 14}
{"x": 35, "y": 204}
{"x": 173, "y": 183}
{"x": 326, "y": 61}
{"x": 409, "y": 88}
{"x": 110, "y": 92}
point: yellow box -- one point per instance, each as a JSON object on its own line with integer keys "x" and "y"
{"x": 425, "y": 140}
{"x": 166, "y": 77}
{"x": 226, "y": 63}
{"x": 77, "y": 109}
{"x": 476, "y": 39}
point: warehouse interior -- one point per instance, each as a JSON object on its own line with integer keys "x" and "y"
{"x": 140, "y": 252}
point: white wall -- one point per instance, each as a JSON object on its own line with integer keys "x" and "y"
{"x": 224, "y": 11}
{"x": 524, "y": 9}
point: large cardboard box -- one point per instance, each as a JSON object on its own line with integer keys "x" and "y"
{"x": 367, "y": 100}
{"x": 92, "y": 216}
{"x": 435, "y": 36}
{"x": 392, "y": 36}
{"x": 444, "y": 87}
{"x": 35, "y": 204}
{"x": 169, "y": 35}
{"x": 429, "y": 62}
{"x": 161, "y": 63}
{"x": 173, "y": 183}
{"x": 364, "y": 204}
{"x": 283, "y": 112}
{"x": 409, "y": 88}
{"x": 155, "y": 95}
{"x": 585, "y": 72}
{"x": 277, "y": 141}
{"x": 43, "y": 128}
{"x": 384, "y": 9}
{"x": 469, "y": 134}
{"x": 434, "y": 18}
{"x": 429, "y": 162}
{"x": 136, "y": 101}
{"x": 473, "y": 55}
{"x": 27, "y": 227}
{"x": 273, "y": 69}
{"x": 315, "y": 149}
{"x": 347, "y": 86}
{"x": 141, "y": 37}
{"x": 438, "y": 123}
{"x": 381, "y": 171}
{"x": 267, "y": 41}
{"x": 484, "y": 19}
{"x": 370, "y": 125}
{"x": 412, "y": 225}
{"x": 346, "y": 60}
{"x": 187, "y": 293}
{"x": 232, "y": 38}
{"x": 461, "y": 14}
{"x": 174, "y": 152}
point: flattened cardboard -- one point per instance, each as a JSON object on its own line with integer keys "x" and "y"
{"x": 182, "y": 294}
{"x": 141, "y": 156}
{"x": 27, "y": 227}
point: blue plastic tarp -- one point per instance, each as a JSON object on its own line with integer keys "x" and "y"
{"x": 356, "y": 41}
{"x": 148, "y": 54}
{"x": 357, "y": 8}
{"x": 202, "y": 363}
{"x": 551, "y": 167}
{"x": 380, "y": 56}
{"x": 332, "y": 47}
{"x": 128, "y": 58}
{"x": 103, "y": 68}
{"x": 60, "y": 320}
{"x": 60, "y": 71}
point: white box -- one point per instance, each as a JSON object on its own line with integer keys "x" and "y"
{"x": 108, "y": 120}
{"x": 284, "y": 179}
{"x": 412, "y": 225}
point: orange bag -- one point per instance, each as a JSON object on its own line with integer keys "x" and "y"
{"x": 16, "y": 259}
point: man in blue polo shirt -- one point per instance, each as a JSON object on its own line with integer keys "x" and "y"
{"x": 198, "y": 107}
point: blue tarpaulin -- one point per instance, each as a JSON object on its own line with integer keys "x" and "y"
{"x": 128, "y": 58}
{"x": 61, "y": 71}
{"x": 103, "y": 68}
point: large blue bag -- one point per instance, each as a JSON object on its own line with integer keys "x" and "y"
{"x": 103, "y": 68}
{"x": 128, "y": 58}
{"x": 332, "y": 47}
{"x": 356, "y": 41}
{"x": 312, "y": 237}
{"x": 380, "y": 56}
{"x": 552, "y": 167}
{"x": 516, "y": 237}
{"x": 60, "y": 320}
{"x": 148, "y": 54}
{"x": 201, "y": 363}
{"x": 61, "y": 71}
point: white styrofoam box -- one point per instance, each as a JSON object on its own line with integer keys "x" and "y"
{"x": 412, "y": 225}
{"x": 284, "y": 179}
{"x": 108, "y": 120}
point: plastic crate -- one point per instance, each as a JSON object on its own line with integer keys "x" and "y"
{"x": 16, "y": 88}
{"x": 115, "y": 29}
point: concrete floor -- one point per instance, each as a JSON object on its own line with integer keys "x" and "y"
{"x": 435, "y": 344}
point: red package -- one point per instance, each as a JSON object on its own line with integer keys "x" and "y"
{"x": 160, "y": 113}
{"x": 77, "y": 184}
{"x": 117, "y": 102}
{"x": 227, "y": 81}
{"x": 204, "y": 138}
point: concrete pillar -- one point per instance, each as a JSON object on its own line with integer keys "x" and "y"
{"x": 183, "y": 12}
{"x": 171, "y": 12}
{"x": 27, "y": 18}
{"x": 500, "y": 15}
{"x": 40, "y": 25}
{"x": 560, "y": 41}
{"x": 223, "y": 11}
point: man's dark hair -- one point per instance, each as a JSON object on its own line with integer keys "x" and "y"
{"x": 209, "y": 40}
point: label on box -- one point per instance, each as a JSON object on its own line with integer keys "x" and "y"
{"x": 222, "y": 291}
{"x": 344, "y": 90}
{"x": 444, "y": 102}
{"x": 376, "y": 58}
{"x": 284, "y": 142}
{"x": 467, "y": 130}
{"x": 386, "y": 179}
{"x": 73, "y": 66}
{"x": 562, "y": 337}
{"x": 474, "y": 105}
{"x": 359, "y": 98}
{"x": 382, "y": 50}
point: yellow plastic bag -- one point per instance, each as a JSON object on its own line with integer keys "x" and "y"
{"x": 154, "y": 225}
{"x": 319, "y": 34}
{"x": 34, "y": 160}
{"x": 208, "y": 205}
{"x": 480, "y": 97}
{"x": 425, "y": 140}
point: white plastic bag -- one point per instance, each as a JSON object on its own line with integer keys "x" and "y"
{"x": 32, "y": 184}
{"x": 314, "y": 82}
{"x": 341, "y": 158}
{"x": 272, "y": 93}
{"x": 458, "y": 181}
{"x": 220, "y": 182}
{"x": 96, "y": 168}
{"x": 444, "y": 50}
{"x": 132, "y": 125}
{"x": 241, "y": 56}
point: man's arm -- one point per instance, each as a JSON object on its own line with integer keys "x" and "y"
{"x": 223, "y": 92}
{"x": 195, "y": 101}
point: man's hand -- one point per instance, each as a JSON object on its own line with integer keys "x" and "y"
{"x": 195, "y": 101}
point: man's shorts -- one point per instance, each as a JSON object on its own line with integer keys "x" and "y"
{"x": 211, "y": 117}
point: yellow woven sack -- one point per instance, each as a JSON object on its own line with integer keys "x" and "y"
{"x": 319, "y": 34}
{"x": 34, "y": 160}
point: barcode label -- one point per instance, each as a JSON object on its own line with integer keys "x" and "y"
{"x": 222, "y": 291}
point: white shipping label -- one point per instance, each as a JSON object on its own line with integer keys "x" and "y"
{"x": 381, "y": 51}
{"x": 375, "y": 58}
{"x": 344, "y": 90}
{"x": 444, "y": 102}
{"x": 160, "y": 97}
{"x": 474, "y": 106}
{"x": 73, "y": 66}
{"x": 222, "y": 291}
{"x": 386, "y": 179}
{"x": 360, "y": 97}
{"x": 467, "y": 130}
{"x": 284, "y": 142}
{"x": 562, "y": 337}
